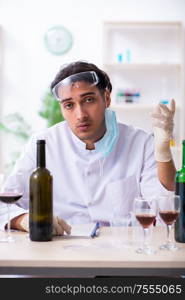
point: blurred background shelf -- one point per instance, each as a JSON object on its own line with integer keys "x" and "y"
{"x": 146, "y": 59}
{"x": 136, "y": 106}
{"x": 142, "y": 66}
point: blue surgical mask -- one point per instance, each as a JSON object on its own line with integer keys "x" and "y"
{"x": 108, "y": 141}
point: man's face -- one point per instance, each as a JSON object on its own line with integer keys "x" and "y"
{"x": 83, "y": 107}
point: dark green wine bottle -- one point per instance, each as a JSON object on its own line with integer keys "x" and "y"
{"x": 180, "y": 190}
{"x": 41, "y": 199}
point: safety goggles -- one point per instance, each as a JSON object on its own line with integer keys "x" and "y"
{"x": 89, "y": 77}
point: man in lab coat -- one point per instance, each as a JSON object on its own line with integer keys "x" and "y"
{"x": 98, "y": 165}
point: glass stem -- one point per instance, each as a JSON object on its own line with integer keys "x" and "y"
{"x": 145, "y": 232}
{"x": 169, "y": 234}
{"x": 8, "y": 225}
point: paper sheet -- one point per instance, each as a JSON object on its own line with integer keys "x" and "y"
{"x": 83, "y": 230}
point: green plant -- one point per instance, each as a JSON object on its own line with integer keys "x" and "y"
{"x": 50, "y": 110}
{"x": 16, "y": 125}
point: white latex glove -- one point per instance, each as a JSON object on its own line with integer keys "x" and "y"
{"x": 162, "y": 121}
{"x": 59, "y": 225}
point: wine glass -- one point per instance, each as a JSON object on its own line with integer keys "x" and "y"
{"x": 10, "y": 192}
{"x": 169, "y": 208}
{"x": 145, "y": 212}
{"x": 119, "y": 228}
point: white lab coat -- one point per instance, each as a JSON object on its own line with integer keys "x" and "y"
{"x": 88, "y": 187}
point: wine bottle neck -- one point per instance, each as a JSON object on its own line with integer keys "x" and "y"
{"x": 41, "y": 160}
{"x": 183, "y": 155}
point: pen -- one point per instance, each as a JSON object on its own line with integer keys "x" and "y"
{"x": 95, "y": 230}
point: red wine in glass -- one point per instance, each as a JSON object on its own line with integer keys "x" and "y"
{"x": 146, "y": 220}
{"x": 169, "y": 216}
{"x": 9, "y": 197}
{"x": 11, "y": 190}
{"x": 169, "y": 209}
{"x": 145, "y": 212}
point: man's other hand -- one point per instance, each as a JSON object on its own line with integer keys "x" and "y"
{"x": 60, "y": 226}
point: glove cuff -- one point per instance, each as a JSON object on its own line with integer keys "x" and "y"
{"x": 163, "y": 152}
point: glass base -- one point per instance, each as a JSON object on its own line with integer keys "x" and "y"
{"x": 169, "y": 247}
{"x": 145, "y": 250}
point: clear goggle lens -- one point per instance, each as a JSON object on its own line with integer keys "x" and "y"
{"x": 89, "y": 77}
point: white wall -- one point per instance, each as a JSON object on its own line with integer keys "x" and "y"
{"x": 28, "y": 68}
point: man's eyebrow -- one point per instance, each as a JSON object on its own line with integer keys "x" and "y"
{"x": 81, "y": 95}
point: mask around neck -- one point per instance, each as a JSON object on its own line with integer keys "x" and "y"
{"x": 108, "y": 141}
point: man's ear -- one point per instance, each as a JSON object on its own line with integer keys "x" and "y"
{"x": 107, "y": 98}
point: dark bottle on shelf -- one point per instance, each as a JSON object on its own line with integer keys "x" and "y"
{"x": 180, "y": 190}
{"x": 41, "y": 199}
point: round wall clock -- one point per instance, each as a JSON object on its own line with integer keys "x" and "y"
{"x": 58, "y": 40}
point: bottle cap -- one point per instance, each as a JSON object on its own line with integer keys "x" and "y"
{"x": 183, "y": 142}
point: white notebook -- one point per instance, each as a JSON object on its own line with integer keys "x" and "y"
{"x": 85, "y": 230}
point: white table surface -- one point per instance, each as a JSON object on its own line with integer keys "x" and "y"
{"x": 86, "y": 256}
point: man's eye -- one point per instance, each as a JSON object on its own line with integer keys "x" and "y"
{"x": 89, "y": 100}
{"x": 68, "y": 105}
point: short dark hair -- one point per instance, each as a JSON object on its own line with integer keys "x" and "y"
{"x": 83, "y": 66}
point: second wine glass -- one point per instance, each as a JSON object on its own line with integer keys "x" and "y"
{"x": 169, "y": 208}
{"x": 145, "y": 212}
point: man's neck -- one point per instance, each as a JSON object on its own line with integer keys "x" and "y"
{"x": 90, "y": 146}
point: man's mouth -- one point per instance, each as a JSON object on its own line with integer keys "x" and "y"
{"x": 83, "y": 126}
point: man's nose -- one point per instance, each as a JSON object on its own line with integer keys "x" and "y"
{"x": 80, "y": 113}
